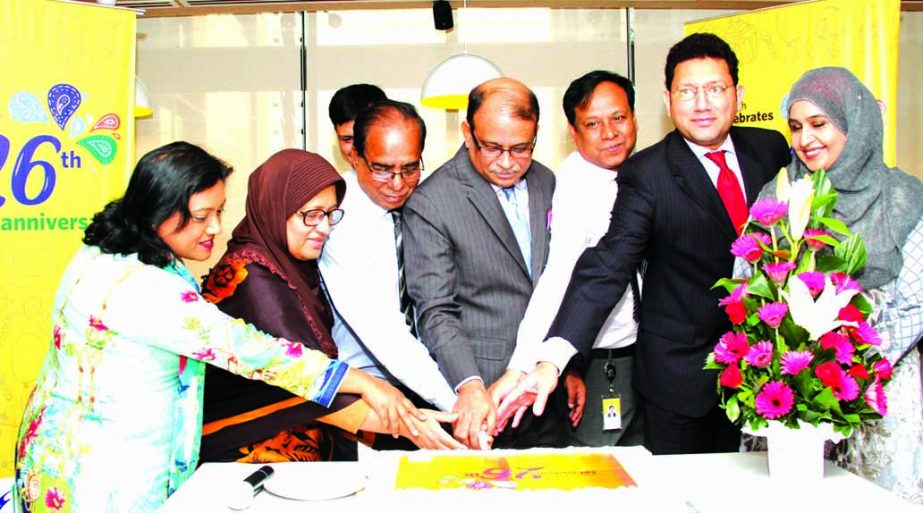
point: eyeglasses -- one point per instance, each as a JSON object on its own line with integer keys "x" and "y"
{"x": 492, "y": 151}
{"x": 409, "y": 173}
{"x": 313, "y": 217}
{"x": 689, "y": 93}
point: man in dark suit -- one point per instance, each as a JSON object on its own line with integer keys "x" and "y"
{"x": 475, "y": 241}
{"x": 681, "y": 203}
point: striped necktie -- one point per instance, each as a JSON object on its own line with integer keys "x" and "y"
{"x": 406, "y": 303}
{"x": 519, "y": 222}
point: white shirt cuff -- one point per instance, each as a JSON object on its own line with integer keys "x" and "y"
{"x": 469, "y": 378}
{"x": 556, "y": 351}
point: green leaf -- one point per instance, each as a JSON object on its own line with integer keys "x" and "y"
{"x": 830, "y": 264}
{"x": 759, "y": 286}
{"x": 852, "y": 251}
{"x": 862, "y": 303}
{"x": 826, "y": 400}
{"x": 835, "y": 225}
{"x": 728, "y": 284}
{"x": 732, "y": 409}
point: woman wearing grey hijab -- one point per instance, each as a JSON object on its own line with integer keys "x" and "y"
{"x": 836, "y": 125}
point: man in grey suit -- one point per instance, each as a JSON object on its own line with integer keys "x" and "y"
{"x": 475, "y": 241}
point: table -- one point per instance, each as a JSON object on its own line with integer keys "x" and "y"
{"x": 701, "y": 483}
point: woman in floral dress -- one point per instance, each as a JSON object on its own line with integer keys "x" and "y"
{"x": 114, "y": 420}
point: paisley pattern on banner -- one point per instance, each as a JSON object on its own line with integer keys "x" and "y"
{"x": 63, "y": 102}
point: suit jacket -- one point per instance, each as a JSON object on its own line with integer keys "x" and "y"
{"x": 464, "y": 270}
{"x": 669, "y": 213}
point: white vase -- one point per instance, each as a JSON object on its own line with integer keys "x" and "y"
{"x": 796, "y": 455}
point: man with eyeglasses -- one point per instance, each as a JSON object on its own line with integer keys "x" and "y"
{"x": 681, "y": 204}
{"x": 362, "y": 262}
{"x": 476, "y": 240}
{"x": 599, "y": 107}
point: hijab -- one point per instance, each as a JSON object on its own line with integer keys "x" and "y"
{"x": 276, "y": 190}
{"x": 880, "y": 203}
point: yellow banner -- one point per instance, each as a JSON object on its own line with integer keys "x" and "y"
{"x": 66, "y": 148}
{"x": 775, "y": 46}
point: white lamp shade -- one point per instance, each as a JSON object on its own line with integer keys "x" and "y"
{"x": 143, "y": 107}
{"x": 449, "y": 83}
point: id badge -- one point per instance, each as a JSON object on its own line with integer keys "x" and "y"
{"x": 612, "y": 412}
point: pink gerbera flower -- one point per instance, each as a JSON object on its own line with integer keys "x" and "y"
{"x": 778, "y": 271}
{"x": 768, "y": 211}
{"x": 772, "y": 314}
{"x": 731, "y": 347}
{"x": 846, "y": 389}
{"x": 793, "y": 362}
{"x": 814, "y": 280}
{"x": 866, "y": 334}
{"x": 812, "y": 237}
{"x": 731, "y": 376}
{"x": 774, "y": 400}
{"x": 56, "y": 333}
{"x": 844, "y": 281}
{"x": 54, "y": 499}
{"x": 876, "y": 399}
{"x": 841, "y": 345}
{"x": 190, "y": 296}
{"x": 883, "y": 369}
{"x": 760, "y": 354}
{"x": 747, "y": 247}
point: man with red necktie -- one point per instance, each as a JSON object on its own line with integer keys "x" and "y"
{"x": 681, "y": 203}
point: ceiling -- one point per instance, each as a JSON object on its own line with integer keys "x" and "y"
{"x": 165, "y": 8}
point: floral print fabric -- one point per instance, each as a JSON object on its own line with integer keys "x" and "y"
{"x": 113, "y": 423}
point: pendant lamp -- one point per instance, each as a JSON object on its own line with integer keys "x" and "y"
{"x": 448, "y": 84}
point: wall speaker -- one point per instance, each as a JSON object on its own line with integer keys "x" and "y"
{"x": 442, "y": 15}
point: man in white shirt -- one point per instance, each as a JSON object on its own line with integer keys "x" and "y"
{"x": 361, "y": 262}
{"x": 599, "y": 107}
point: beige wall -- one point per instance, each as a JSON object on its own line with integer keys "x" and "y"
{"x": 910, "y": 95}
{"x": 231, "y": 83}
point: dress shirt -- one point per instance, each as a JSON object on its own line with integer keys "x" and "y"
{"x": 580, "y": 211}
{"x": 730, "y": 157}
{"x": 359, "y": 268}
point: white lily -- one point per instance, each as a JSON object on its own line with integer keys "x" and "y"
{"x": 799, "y": 206}
{"x": 820, "y": 316}
{"x": 783, "y": 187}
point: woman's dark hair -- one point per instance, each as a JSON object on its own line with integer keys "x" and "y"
{"x": 161, "y": 184}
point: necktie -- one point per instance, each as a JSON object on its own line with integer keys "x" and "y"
{"x": 519, "y": 222}
{"x": 406, "y": 304}
{"x": 729, "y": 190}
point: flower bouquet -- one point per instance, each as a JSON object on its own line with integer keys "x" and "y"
{"x": 800, "y": 349}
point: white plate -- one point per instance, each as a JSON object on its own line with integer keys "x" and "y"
{"x": 318, "y": 481}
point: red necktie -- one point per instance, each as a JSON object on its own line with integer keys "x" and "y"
{"x": 729, "y": 190}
